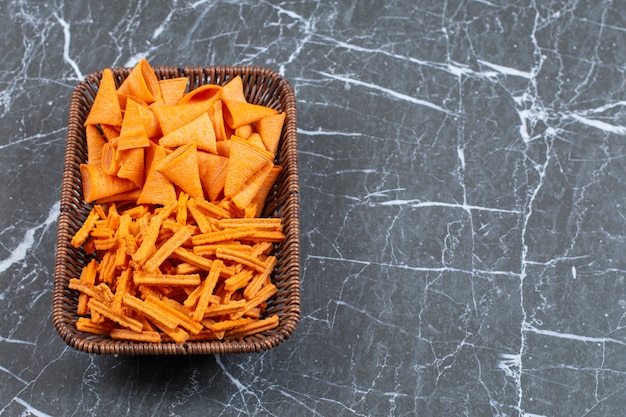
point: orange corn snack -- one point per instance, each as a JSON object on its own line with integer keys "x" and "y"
{"x": 179, "y": 181}
{"x": 233, "y": 90}
{"x": 106, "y": 106}
{"x": 241, "y": 113}
{"x": 173, "y": 89}
{"x": 141, "y": 85}
{"x": 98, "y": 184}
{"x": 206, "y": 94}
{"x": 269, "y": 129}
{"x": 212, "y": 169}
{"x": 245, "y": 160}
{"x": 157, "y": 189}
{"x": 95, "y": 143}
{"x": 199, "y": 131}
{"x": 181, "y": 168}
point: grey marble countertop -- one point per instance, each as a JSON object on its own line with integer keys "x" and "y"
{"x": 462, "y": 190}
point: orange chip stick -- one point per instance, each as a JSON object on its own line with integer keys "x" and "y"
{"x": 261, "y": 296}
{"x": 223, "y": 235}
{"x": 178, "y": 335}
{"x": 97, "y": 184}
{"x": 83, "y": 233}
{"x": 193, "y": 258}
{"x": 254, "y": 327}
{"x": 270, "y": 128}
{"x": 213, "y": 209}
{"x": 199, "y": 131}
{"x": 181, "y": 168}
{"x": 204, "y": 224}
{"x": 256, "y": 283}
{"x": 239, "y": 280}
{"x": 88, "y": 326}
{"x": 232, "y": 307}
{"x": 181, "y": 209}
{"x": 155, "y": 315}
{"x": 229, "y": 324}
{"x": 123, "y": 284}
{"x": 207, "y": 290}
{"x": 176, "y": 310}
{"x": 149, "y": 241}
{"x": 167, "y": 248}
{"x": 107, "y": 312}
{"x": 148, "y": 336}
{"x": 265, "y": 223}
{"x": 106, "y": 106}
{"x": 143, "y": 278}
{"x": 242, "y": 258}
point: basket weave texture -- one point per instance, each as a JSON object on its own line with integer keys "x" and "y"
{"x": 262, "y": 86}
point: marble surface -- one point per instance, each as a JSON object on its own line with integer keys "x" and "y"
{"x": 463, "y": 206}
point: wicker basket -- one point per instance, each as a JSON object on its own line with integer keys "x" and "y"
{"x": 262, "y": 86}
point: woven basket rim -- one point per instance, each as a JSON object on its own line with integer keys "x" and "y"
{"x": 263, "y": 84}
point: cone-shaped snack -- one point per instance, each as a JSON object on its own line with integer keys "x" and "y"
{"x": 132, "y": 166}
{"x": 244, "y": 131}
{"x": 255, "y": 139}
{"x": 110, "y": 158}
{"x": 141, "y": 84}
{"x": 106, "y": 106}
{"x": 95, "y": 143}
{"x": 157, "y": 189}
{"x": 223, "y": 148}
{"x": 181, "y": 168}
{"x": 233, "y": 90}
{"x": 110, "y": 132}
{"x": 270, "y": 128}
{"x": 216, "y": 115}
{"x": 98, "y": 184}
{"x": 251, "y": 187}
{"x": 132, "y": 134}
{"x": 173, "y": 89}
{"x": 198, "y": 131}
{"x": 244, "y": 161}
{"x": 172, "y": 117}
{"x": 212, "y": 174}
{"x": 264, "y": 190}
{"x": 149, "y": 121}
{"x": 239, "y": 113}
{"x": 206, "y": 94}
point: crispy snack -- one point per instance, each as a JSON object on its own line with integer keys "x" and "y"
{"x": 154, "y": 282}
{"x": 178, "y": 180}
